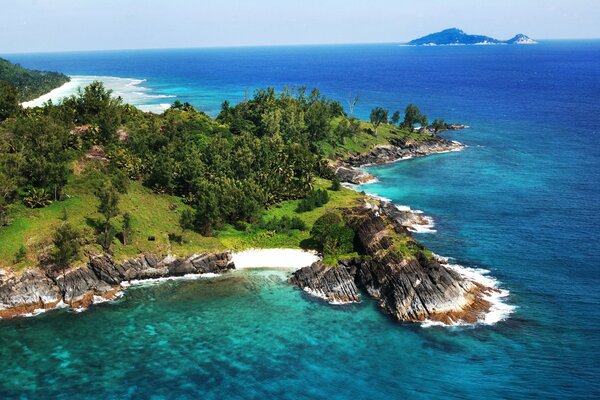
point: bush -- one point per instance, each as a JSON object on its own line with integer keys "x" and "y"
{"x": 336, "y": 185}
{"x": 332, "y": 235}
{"x": 316, "y": 198}
{"x": 37, "y": 198}
{"x": 66, "y": 245}
{"x": 284, "y": 224}
{"x": 20, "y": 255}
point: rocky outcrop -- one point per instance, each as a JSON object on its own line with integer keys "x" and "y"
{"x": 333, "y": 284}
{"x": 399, "y": 149}
{"x": 406, "y": 280}
{"x": 25, "y": 293}
{"x": 346, "y": 173}
{"x": 348, "y": 170}
{"x": 101, "y": 278}
{"x": 411, "y": 287}
{"x": 413, "y": 220}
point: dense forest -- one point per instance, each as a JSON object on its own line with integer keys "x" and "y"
{"x": 30, "y": 84}
{"x": 227, "y": 171}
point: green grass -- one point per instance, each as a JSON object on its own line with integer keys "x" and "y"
{"x": 154, "y": 215}
{"x": 365, "y": 140}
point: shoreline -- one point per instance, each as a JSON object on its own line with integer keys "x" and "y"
{"x": 102, "y": 280}
{"x": 129, "y": 89}
{"x": 416, "y": 221}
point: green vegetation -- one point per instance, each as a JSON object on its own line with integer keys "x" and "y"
{"x": 332, "y": 236}
{"x": 66, "y": 245}
{"x": 94, "y": 175}
{"x": 316, "y": 198}
{"x": 29, "y": 83}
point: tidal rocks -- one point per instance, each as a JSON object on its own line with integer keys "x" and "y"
{"x": 101, "y": 278}
{"x": 26, "y": 293}
{"x": 333, "y": 284}
{"x": 352, "y": 175}
{"x": 348, "y": 170}
{"x": 399, "y": 150}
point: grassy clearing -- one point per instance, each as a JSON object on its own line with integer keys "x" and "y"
{"x": 153, "y": 215}
{"x": 365, "y": 140}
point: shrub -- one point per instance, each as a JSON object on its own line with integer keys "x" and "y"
{"x": 284, "y": 224}
{"x": 336, "y": 185}
{"x": 20, "y": 255}
{"x": 66, "y": 245}
{"x": 316, "y": 198}
{"x": 37, "y": 198}
{"x": 332, "y": 235}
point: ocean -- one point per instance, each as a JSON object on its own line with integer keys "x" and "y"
{"x": 520, "y": 202}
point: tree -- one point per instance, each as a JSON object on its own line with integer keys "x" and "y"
{"x": 20, "y": 255}
{"x": 336, "y": 185}
{"x": 412, "y": 116}
{"x": 396, "y": 117}
{"x": 332, "y": 235}
{"x": 186, "y": 220}
{"x": 127, "y": 230}
{"x": 8, "y": 187}
{"x": 66, "y": 245}
{"x": 352, "y": 102}
{"x": 9, "y": 100}
{"x": 108, "y": 206}
{"x": 379, "y": 116}
{"x": 438, "y": 125}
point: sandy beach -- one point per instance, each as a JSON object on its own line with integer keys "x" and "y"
{"x": 129, "y": 89}
{"x": 274, "y": 258}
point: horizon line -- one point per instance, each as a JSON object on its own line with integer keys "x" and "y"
{"x": 207, "y": 47}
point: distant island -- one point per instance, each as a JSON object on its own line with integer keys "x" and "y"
{"x": 457, "y": 37}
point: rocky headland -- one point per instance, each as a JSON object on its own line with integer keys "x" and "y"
{"x": 100, "y": 279}
{"x": 349, "y": 169}
{"x": 409, "y": 286}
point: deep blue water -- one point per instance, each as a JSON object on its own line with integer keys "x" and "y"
{"x": 522, "y": 201}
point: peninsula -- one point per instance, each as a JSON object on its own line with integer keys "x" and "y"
{"x": 96, "y": 194}
{"x": 457, "y": 37}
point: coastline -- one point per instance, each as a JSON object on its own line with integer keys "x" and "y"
{"x": 492, "y": 296}
{"x": 102, "y": 280}
{"x": 130, "y": 90}
{"x": 480, "y": 301}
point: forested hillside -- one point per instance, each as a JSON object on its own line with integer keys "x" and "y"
{"x": 92, "y": 174}
{"x": 30, "y": 83}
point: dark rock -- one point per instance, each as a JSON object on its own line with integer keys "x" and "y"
{"x": 101, "y": 277}
{"x": 27, "y": 292}
{"x": 352, "y": 175}
{"x": 334, "y": 284}
{"x": 399, "y": 149}
{"x": 410, "y": 288}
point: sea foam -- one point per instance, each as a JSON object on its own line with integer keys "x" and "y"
{"x": 499, "y": 310}
{"x": 131, "y": 90}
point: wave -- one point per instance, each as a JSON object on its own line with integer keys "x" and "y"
{"x": 129, "y": 89}
{"x": 499, "y": 310}
{"x": 155, "y": 281}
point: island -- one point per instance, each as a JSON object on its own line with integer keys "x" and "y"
{"x": 457, "y": 37}
{"x": 96, "y": 194}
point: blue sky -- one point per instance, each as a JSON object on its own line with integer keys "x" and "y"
{"x": 59, "y": 25}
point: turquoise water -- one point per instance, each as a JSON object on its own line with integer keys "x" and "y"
{"x": 521, "y": 201}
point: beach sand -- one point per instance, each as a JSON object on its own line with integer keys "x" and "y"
{"x": 274, "y": 258}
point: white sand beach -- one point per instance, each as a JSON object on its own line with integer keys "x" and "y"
{"x": 129, "y": 89}
{"x": 274, "y": 258}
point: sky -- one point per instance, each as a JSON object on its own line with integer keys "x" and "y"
{"x": 68, "y": 25}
